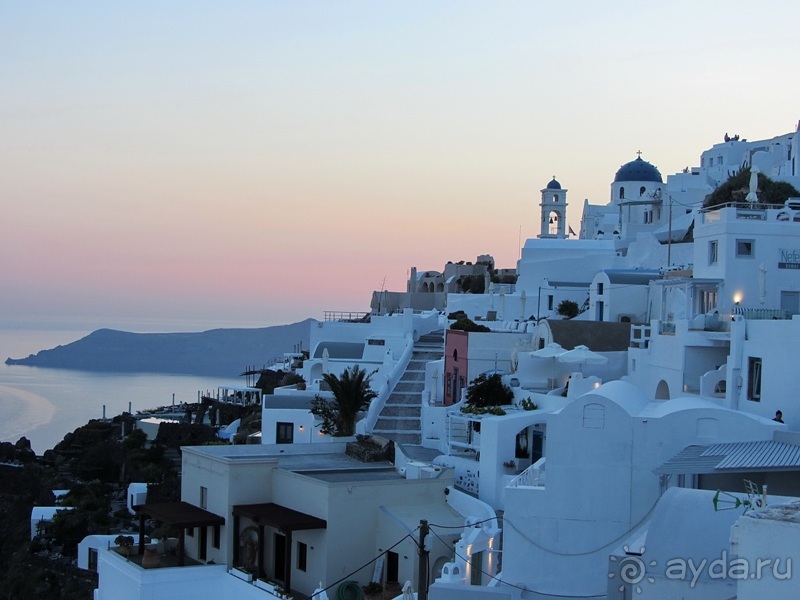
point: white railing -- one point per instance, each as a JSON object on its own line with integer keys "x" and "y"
{"x": 533, "y": 476}
{"x": 376, "y": 406}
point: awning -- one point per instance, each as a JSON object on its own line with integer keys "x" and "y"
{"x": 285, "y": 520}
{"x": 767, "y": 455}
{"x": 280, "y": 517}
{"x": 180, "y": 514}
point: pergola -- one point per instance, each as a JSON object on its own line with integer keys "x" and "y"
{"x": 285, "y": 520}
{"x": 180, "y": 515}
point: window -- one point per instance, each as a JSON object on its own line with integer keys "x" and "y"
{"x": 622, "y": 193}
{"x": 642, "y": 190}
{"x": 203, "y": 497}
{"x": 550, "y": 302}
{"x": 600, "y": 288}
{"x": 302, "y": 556}
{"x": 284, "y": 433}
{"x": 713, "y": 249}
{"x": 754, "y": 379}
{"x": 745, "y": 248}
{"x": 92, "y": 559}
{"x": 709, "y": 300}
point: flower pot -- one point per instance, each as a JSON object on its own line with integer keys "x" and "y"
{"x": 151, "y": 559}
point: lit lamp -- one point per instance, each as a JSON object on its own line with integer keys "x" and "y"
{"x": 737, "y": 298}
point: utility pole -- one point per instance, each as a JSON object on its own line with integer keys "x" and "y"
{"x": 422, "y": 577}
{"x": 669, "y": 234}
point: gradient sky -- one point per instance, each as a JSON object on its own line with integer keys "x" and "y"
{"x": 183, "y": 165}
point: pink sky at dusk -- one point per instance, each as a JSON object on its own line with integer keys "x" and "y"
{"x": 255, "y": 163}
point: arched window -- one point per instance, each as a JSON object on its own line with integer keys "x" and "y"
{"x": 622, "y": 193}
{"x": 594, "y": 416}
{"x": 642, "y": 190}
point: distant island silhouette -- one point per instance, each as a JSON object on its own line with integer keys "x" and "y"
{"x": 223, "y": 352}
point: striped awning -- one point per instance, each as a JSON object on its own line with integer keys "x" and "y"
{"x": 766, "y": 455}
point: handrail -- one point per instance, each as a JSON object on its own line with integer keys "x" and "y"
{"x": 532, "y": 476}
{"x": 376, "y": 406}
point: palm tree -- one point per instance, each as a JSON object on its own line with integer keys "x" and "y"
{"x": 351, "y": 394}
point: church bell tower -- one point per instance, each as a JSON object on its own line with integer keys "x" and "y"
{"x": 554, "y": 211}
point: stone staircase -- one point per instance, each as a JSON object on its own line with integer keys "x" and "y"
{"x": 400, "y": 418}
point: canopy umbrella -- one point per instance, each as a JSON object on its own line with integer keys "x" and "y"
{"x": 408, "y": 591}
{"x": 582, "y": 355}
{"x": 552, "y": 351}
{"x": 326, "y": 361}
{"x": 320, "y": 593}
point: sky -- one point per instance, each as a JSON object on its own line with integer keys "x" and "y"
{"x": 187, "y": 165}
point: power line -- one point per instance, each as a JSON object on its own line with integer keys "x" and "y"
{"x": 505, "y": 583}
{"x": 349, "y": 575}
{"x": 462, "y": 526}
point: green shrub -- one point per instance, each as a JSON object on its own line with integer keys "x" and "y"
{"x": 568, "y": 309}
{"x": 468, "y": 325}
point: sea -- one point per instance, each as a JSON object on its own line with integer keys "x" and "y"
{"x": 44, "y": 404}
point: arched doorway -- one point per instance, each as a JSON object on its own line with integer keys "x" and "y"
{"x": 662, "y": 390}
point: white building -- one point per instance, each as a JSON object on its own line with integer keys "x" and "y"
{"x": 290, "y": 517}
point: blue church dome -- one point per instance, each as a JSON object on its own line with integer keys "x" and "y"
{"x": 554, "y": 185}
{"x": 638, "y": 170}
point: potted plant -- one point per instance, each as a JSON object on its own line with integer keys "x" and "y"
{"x": 372, "y": 590}
{"x": 125, "y": 542}
{"x": 510, "y": 466}
{"x": 151, "y": 559}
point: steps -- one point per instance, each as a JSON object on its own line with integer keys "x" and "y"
{"x": 400, "y": 418}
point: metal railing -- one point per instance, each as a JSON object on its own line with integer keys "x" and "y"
{"x": 347, "y": 316}
{"x": 762, "y": 314}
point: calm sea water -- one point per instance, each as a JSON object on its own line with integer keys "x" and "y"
{"x": 45, "y": 404}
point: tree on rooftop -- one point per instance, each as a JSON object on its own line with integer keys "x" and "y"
{"x": 351, "y": 395}
{"x": 489, "y": 390}
{"x": 468, "y": 325}
{"x": 568, "y": 309}
{"x": 737, "y": 186}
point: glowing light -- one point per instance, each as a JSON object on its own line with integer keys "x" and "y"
{"x": 737, "y": 297}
